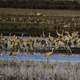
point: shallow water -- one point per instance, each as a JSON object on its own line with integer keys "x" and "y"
{"x": 38, "y": 57}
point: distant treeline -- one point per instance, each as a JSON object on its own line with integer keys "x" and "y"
{"x": 32, "y": 29}
{"x": 26, "y": 29}
{"x": 40, "y": 4}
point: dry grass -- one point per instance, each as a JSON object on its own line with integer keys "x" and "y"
{"x": 40, "y": 71}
